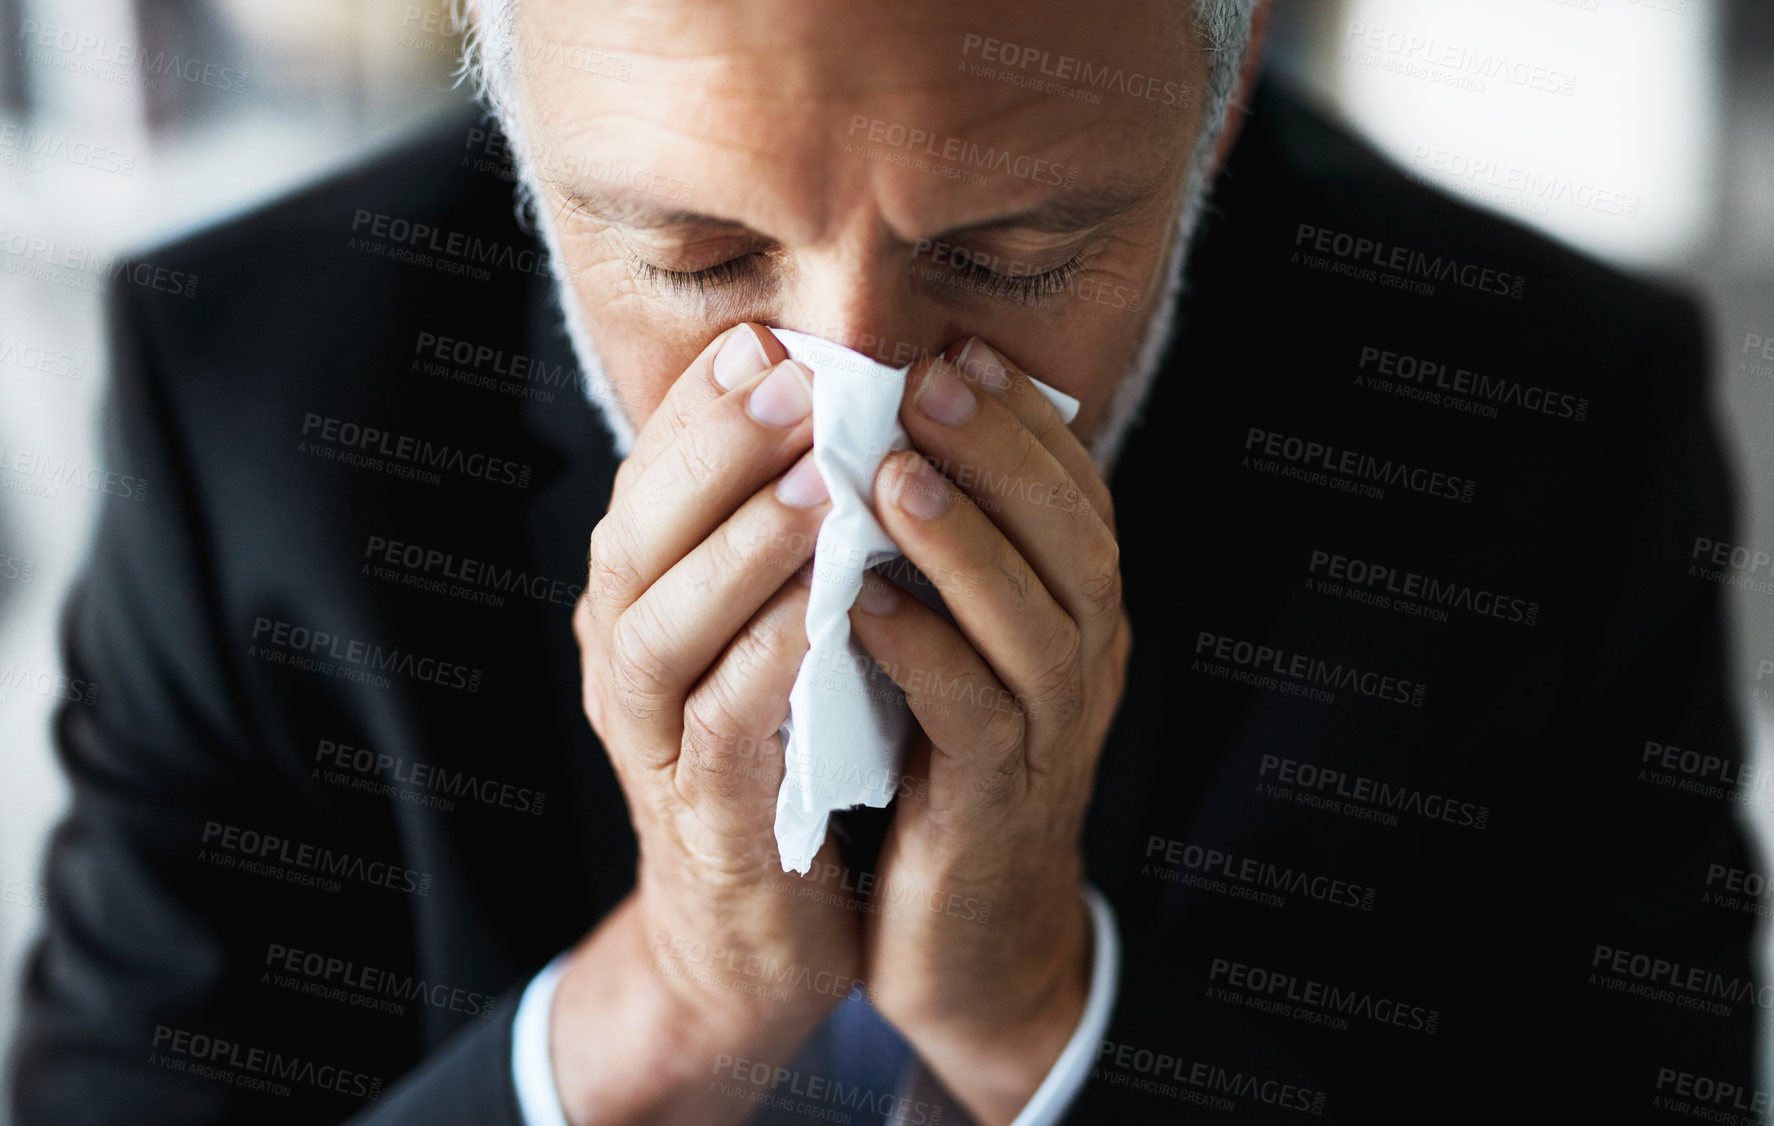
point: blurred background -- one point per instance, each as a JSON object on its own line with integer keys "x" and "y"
{"x": 124, "y": 122}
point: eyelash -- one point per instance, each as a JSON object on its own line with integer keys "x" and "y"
{"x": 1025, "y": 289}
{"x": 683, "y": 281}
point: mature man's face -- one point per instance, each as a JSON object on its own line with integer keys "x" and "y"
{"x": 893, "y": 176}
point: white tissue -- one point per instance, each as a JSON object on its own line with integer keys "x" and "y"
{"x": 847, "y": 722}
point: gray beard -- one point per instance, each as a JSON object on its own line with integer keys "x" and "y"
{"x": 1131, "y": 393}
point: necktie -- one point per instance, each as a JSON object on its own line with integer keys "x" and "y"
{"x": 853, "y": 1065}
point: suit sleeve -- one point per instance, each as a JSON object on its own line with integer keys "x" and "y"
{"x": 148, "y": 999}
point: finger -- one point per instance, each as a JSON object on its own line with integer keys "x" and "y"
{"x": 672, "y": 634}
{"x": 720, "y": 458}
{"x": 985, "y": 368}
{"x": 730, "y": 761}
{"x": 980, "y": 444}
{"x": 977, "y": 728}
{"x": 730, "y": 359}
{"x": 1009, "y": 616}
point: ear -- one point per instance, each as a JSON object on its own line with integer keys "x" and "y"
{"x": 1253, "y": 62}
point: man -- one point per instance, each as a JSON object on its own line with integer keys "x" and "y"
{"x": 1343, "y": 686}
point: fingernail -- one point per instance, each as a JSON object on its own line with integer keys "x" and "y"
{"x": 981, "y": 365}
{"x": 922, "y": 492}
{"x": 802, "y": 486}
{"x": 943, "y": 398}
{"x": 878, "y": 596}
{"x": 784, "y": 398}
{"x": 740, "y": 358}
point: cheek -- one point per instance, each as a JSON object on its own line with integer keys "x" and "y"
{"x": 644, "y": 350}
{"x": 644, "y": 343}
{"x": 1084, "y": 346}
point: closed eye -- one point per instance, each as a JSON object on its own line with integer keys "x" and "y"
{"x": 1024, "y": 289}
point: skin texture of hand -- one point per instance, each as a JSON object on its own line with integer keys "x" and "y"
{"x": 691, "y": 632}
{"x": 1014, "y": 525}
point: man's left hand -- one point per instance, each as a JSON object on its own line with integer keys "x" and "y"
{"x": 979, "y": 945}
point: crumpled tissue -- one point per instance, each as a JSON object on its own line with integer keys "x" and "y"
{"x": 847, "y": 723}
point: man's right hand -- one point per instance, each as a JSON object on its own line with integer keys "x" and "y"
{"x": 690, "y": 635}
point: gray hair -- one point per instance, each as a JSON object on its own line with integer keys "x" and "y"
{"x": 488, "y": 53}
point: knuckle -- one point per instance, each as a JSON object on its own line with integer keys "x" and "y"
{"x": 610, "y": 572}
{"x": 1102, "y": 590}
{"x": 730, "y": 551}
{"x": 625, "y": 475}
{"x": 1031, "y": 455}
{"x": 1003, "y": 754}
{"x": 642, "y": 674}
{"x": 1056, "y": 687}
{"x": 711, "y": 731}
{"x": 725, "y": 759}
{"x": 1016, "y": 575}
{"x": 703, "y": 454}
{"x": 1104, "y": 506}
{"x": 1061, "y": 646}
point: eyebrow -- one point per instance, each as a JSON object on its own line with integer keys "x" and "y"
{"x": 1077, "y": 209}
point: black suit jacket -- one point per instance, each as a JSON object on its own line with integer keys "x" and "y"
{"x": 1384, "y": 844}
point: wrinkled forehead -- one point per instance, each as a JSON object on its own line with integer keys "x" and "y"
{"x": 985, "y": 97}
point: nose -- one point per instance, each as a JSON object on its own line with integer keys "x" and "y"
{"x": 864, "y": 294}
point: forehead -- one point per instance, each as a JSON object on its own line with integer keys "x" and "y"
{"x": 965, "y": 108}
